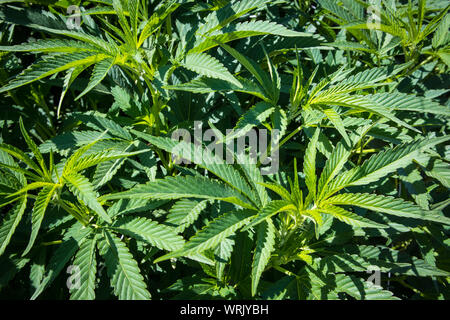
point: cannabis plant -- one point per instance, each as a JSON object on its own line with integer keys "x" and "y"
{"x": 104, "y": 194}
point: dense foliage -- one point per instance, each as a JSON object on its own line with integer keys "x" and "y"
{"x": 96, "y": 204}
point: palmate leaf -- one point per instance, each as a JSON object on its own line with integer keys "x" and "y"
{"x": 387, "y": 204}
{"x": 133, "y": 8}
{"x": 269, "y": 210}
{"x": 381, "y": 164}
{"x": 48, "y": 22}
{"x": 161, "y": 236}
{"x": 8, "y": 182}
{"x": 31, "y": 186}
{"x": 127, "y": 206}
{"x": 56, "y": 264}
{"x": 438, "y": 170}
{"x": 360, "y": 103}
{"x": 280, "y": 121}
{"x": 244, "y": 30}
{"x": 73, "y": 238}
{"x": 10, "y": 223}
{"x": 122, "y": 269}
{"x": 336, "y": 120}
{"x": 85, "y": 260}
{"x": 265, "y": 242}
{"x": 52, "y": 64}
{"x": 20, "y": 155}
{"x": 105, "y": 171}
{"x": 389, "y": 160}
{"x": 8, "y": 162}
{"x": 252, "y": 118}
{"x": 98, "y": 74}
{"x": 309, "y": 164}
{"x": 212, "y": 234}
{"x": 351, "y": 258}
{"x": 402, "y": 262}
{"x": 183, "y": 187}
{"x": 120, "y": 12}
{"x": 394, "y": 30}
{"x": 101, "y": 122}
{"x": 261, "y": 76}
{"x": 222, "y": 254}
{"x": 233, "y": 10}
{"x": 72, "y": 162}
{"x": 66, "y": 142}
{"x": 208, "y": 85}
{"x": 407, "y": 102}
{"x": 84, "y": 190}
{"x": 254, "y": 176}
{"x": 183, "y": 213}
{"x": 367, "y": 78}
{"x": 95, "y": 158}
{"x": 333, "y": 166}
{"x": 37, "y": 215}
{"x": 327, "y": 285}
{"x": 349, "y": 217}
{"x": 278, "y": 189}
{"x": 440, "y": 37}
{"x": 51, "y": 45}
{"x": 33, "y": 147}
{"x": 209, "y": 66}
{"x": 156, "y": 20}
{"x": 205, "y": 159}
{"x": 352, "y": 286}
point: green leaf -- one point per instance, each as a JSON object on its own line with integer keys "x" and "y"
{"x": 183, "y": 213}
{"x": 37, "y": 215}
{"x": 10, "y": 223}
{"x": 50, "y": 65}
{"x": 208, "y": 66}
{"x": 33, "y": 147}
{"x": 143, "y": 229}
{"x": 333, "y": 166}
{"x": 389, "y": 160}
{"x": 223, "y": 254}
{"x": 84, "y": 191}
{"x": 205, "y": 159}
{"x": 57, "y": 262}
{"x": 122, "y": 269}
{"x": 349, "y": 217}
{"x": 244, "y": 30}
{"x": 20, "y": 155}
{"x": 336, "y": 120}
{"x": 269, "y": 210}
{"x": 309, "y": 164}
{"x": 252, "y": 118}
{"x": 98, "y": 74}
{"x": 50, "y": 45}
{"x": 386, "y": 204}
{"x": 212, "y": 234}
{"x": 86, "y": 261}
{"x": 183, "y": 187}
{"x": 361, "y": 103}
{"x": 233, "y": 10}
{"x": 265, "y": 242}
{"x": 408, "y": 102}
{"x": 208, "y": 85}
{"x": 252, "y": 67}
